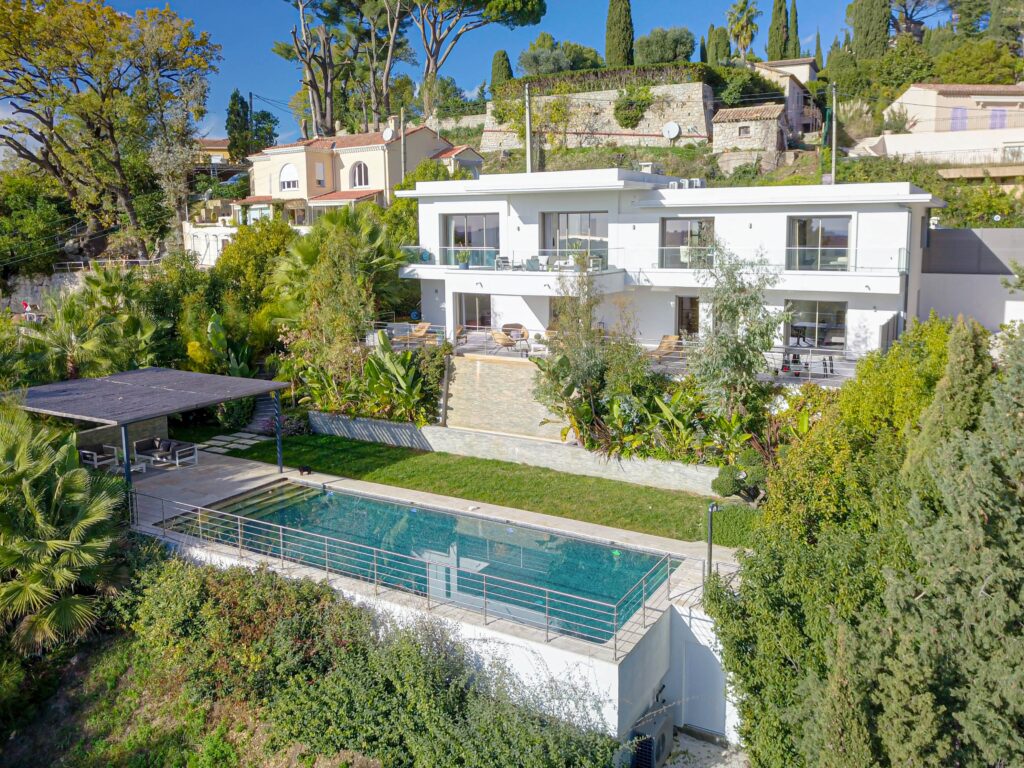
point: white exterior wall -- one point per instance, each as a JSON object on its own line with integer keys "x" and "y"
{"x": 982, "y": 297}
{"x": 886, "y": 221}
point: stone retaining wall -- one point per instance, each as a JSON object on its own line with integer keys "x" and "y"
{"x": 670, "y": 475}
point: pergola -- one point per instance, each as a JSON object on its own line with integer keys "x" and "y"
{"x": 130, "y": 397}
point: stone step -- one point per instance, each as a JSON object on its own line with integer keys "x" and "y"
{"x": 496, "y": 395}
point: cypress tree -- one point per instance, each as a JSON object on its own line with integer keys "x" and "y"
{"x": 819, "y": 60}
{"x": 870, "y": 21}
{"x": 778, "y": 32}
{"x": 794, "y": 33}
{"x": 618, "y": 39}
{"x": 237, "y": 126}
{"x": 846, "y": 41}
{"x": 703, "y": 50}
{"x": 950, "y": 640}
{"x": 501, "y": 69}
{"x": 724, "y": 44}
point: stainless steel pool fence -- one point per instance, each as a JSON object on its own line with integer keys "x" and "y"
{"x": 618, "y": 625}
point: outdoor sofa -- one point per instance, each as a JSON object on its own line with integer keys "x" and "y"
{"x": 161, "y": 450}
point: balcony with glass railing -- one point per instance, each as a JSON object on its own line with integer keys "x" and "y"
{"x": 494, "y": 259}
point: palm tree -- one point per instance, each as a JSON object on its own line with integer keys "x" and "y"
{"x": 58, "y": 529}
{"x": 742, "y": 21}
{"x": 112, "y": 290}
{"x": 65, "y": 345}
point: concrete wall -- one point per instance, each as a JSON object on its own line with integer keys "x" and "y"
{"x": 34, "y": 288}
{"x": 963, "y": 147}
{"x": 206, "y": 241}
{"x": 592, "y": 120}
{"x": 521, "y": 450}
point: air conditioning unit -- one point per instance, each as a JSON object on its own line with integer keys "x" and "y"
{"x": 673, "y": 185}
{"x": 697, "y": 183}
{"x": 655, "y": 738}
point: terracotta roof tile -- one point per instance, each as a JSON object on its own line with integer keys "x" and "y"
{"x": 346, "y": 141}
{"x": 740, "y": 114}
{"x": 345, "y": 195}
{"x": 213, "y": 143}
{"x": 252, "y": 199}
{"x": 452, "y": 152}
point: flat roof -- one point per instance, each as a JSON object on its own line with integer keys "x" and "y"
{"x": 879, "y": 193}
{"x": 595, "y": 180}
{"x": 146, "y": 393}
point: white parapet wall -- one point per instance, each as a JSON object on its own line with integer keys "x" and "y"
{"x": 670, "y": 475}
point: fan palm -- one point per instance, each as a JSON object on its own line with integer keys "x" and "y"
{"x": 112, "y": 290}
{"x": 58, "y": 527}
{"x": 742, "y": 20}
{"x": 66, "y": 344}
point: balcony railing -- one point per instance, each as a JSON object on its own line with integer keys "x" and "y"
{"x": 533, "y": 260}
{"x": 802, "y": 258}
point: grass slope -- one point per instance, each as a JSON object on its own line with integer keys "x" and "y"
{"x": 639, "y": 508}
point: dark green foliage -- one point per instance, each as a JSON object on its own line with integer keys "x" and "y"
{"x": 34, "y": 214}
{"x": 793, "y": 41}
{"x": 831, "y": 527}
{"x": 501, "y": 68}
{"x": 618, "y": 41}
{"x": 978, "y": 61}
{"x": 778, "y": 32}
{"x": 631, "y": 106}
{"x": 664, "y": 46}
{"x": 905, "y": 63}
{"x": 719, "y": 45}
{"x": 870, "y": 22}
{"x": 818, "y": 58}
{"x": 547, "y": 56}
{"x": 703, "y": 55}
{"x": 248, "y": 132}
{"x": 336, "y": 677}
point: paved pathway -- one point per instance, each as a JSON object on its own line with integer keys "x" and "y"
{"x": 236, "y": 441}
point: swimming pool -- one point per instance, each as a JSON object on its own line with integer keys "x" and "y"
{"x": 562, "y": 584}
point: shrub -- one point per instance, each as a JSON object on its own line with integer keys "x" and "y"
{"x": 631, "y": 105}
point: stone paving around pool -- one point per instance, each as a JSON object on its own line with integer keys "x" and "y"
{"x": 236, "y": 441}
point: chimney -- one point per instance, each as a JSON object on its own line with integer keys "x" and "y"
{"x": 393, "y": 122}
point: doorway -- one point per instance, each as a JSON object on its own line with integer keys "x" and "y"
{"x": 687, "y": 315}
{"x": 473, "y": 310}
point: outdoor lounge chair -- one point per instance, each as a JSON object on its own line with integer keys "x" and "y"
{"x": 502, "y": 341}
{"x": 419, "y": 334}
{"x": 669, "y": 345}
{"x": 160, "y": 450}
{"x": 97, "y": 456}
{"x": 515, "y": 331}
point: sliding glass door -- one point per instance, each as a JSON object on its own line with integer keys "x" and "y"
{"x": 819, "y": 243}
{"x": 816, "y": 324}
{"x": 470, "y": 238}
{"x": 582, "y": 236}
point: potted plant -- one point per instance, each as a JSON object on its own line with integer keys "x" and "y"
{"x": 463, "y": 258}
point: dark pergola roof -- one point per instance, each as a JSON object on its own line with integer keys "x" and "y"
{"x": 147, "y": 393}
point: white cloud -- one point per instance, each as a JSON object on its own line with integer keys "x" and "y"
{"x": 807, "y": 40}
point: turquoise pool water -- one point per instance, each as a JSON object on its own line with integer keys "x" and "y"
{"x": 563, "y": 584}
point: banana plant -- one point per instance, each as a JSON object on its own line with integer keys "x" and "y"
{"x": 727, "y": 436}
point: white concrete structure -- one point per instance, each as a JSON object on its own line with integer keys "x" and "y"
{"x": 846, "y": 255}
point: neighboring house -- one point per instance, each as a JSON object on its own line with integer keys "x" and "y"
{"x": 213, "y": 151}
{"x": 303, "y": 180}
{"x": 937, "y": 108}
{"x": 790, "y": 75}
{"x": 758, "y": 129}
{"x": 848, "y": 256}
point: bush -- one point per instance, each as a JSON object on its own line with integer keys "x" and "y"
{"x": 631, "y": 105}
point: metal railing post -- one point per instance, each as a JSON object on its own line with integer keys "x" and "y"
{"x": 615, "y": 631}
{"x": 376, "y": 581}
{"x": 199, "y": 518}
{"x": 668, "y": 580}
{"x": 239, "y": 538}
{"x": 547, "y": 616}
{"x": 485, "y": 599}
{"x": 280, "y": 531}
{"x": 327, "y": 560}
{"x": 643, "y": 601}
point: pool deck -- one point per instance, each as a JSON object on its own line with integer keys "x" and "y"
{"x": 218, "y": 477}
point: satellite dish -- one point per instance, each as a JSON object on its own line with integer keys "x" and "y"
{"x": 389, "y": 133}
{"x": 670, "y": 130}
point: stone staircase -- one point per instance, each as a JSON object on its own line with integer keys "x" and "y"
{"x": 262, "y": 422}
{"x": 495, "y": 394}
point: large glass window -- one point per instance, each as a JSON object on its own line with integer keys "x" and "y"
{"x": 471, "y": 238}
{"x": 687, "y": 315}
{"x": 819, "y": 243}
{"x": 570, "y": 234}
{"x": 473, "y": 310}
{"x": 686, "y": 243}
{"x": 816, "y": 324}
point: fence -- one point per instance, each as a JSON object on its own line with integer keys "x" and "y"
{"x": 553, "y": 611}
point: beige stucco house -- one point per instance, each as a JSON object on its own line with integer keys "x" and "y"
{"x": 213, "y": 151}
{"x": 306, "y": 178}
{"x": 790, "y": 75}
{"x": 935, "y": 107}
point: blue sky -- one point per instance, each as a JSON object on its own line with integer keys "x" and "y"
{"x": 246, "y": 30}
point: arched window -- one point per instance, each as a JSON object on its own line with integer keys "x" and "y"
{"x": 289, "y": 177}
{"x": 360, "y": 175}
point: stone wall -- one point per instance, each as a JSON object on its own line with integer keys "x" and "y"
{"x": 33, "y": 288}
{"x": 592, "y": 120}
{"x": 669, "y": 475}
{"x": 764, "y": 136}
{"x": 766, "y": 161}
{"x": 454, "y": 123}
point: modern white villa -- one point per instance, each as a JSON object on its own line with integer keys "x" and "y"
{"x": 494, "y": 251}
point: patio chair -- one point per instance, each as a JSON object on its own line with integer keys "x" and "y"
{"x": 160, "y": 450}
{"x": 502, "y": 263}
{"x": 669, "y": 345}
{"x": 418, "y": 334}
{"x": 515, "y": 331}
{"x": 97, "y": 456}
{"x": 502, "y": 341}
{"x": 461, "y": 335}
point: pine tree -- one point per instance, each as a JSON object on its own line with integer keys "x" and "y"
{"x": 238, "y": 128}
{"x": 501, "y": 69}
{"x": 778, "y": 32}
{"x": 793, "y": 51}
{"x": 819, "y": 60}
{"x": 951, "y": 691}
{"x": 870, "y": 22}
{"x": 703, "y": 50}
{"x": 618, "y": 40}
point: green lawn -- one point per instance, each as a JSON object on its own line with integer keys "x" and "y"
{"x": 673, "y": 514}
